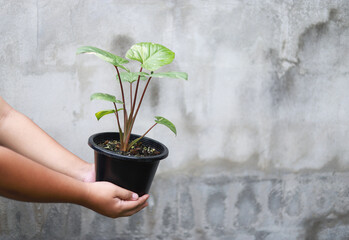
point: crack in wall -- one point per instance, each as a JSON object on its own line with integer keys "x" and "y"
{"x": 288, "y": 71}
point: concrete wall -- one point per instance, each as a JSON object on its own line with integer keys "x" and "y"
{"x": 261, "y": 151}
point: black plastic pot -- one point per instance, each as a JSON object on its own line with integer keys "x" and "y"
{"x": 133, "y": 173}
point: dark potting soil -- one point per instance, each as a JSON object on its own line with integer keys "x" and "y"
{"x": 139, "y": 150}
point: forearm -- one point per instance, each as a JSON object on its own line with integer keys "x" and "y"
{"x": 26, "y": 180}
{"x": 34, "y": 168}
{"x": 23, "y": 136}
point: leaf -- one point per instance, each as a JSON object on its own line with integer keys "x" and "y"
{"x": 167, "y": 123}
{"x": 105, "y": 97}
{"x": 100, "y": 114}
{"x": 179, "y": 75}
{"x": 151, "y": 55}
{"x": 132, "y": 76}
{"x": 104, "y": 55}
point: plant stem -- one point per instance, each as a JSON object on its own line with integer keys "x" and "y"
{"x": 132, "y": 121}
{"x": 140, "y": 102}
{"x": 137, "y": 140}
{"x": 131, "y": 106}
{"x": 119, "y": 126}
{"x": 124, "y": 105}
{"x": 149, "y": 130}
{"x": 131, "y": 117}
{"x": 136, "y": 93}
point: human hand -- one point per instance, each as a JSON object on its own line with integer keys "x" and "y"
{"x": 113, "y": 201}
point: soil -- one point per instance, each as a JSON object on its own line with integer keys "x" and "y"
{"x": 139, "y": 150}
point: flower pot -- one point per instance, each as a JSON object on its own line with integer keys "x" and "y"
{"x": 131, "y": 172}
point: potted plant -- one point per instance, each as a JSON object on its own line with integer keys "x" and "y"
{"x": 124, "y": 158}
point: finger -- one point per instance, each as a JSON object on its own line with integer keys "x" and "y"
{"x": 138, "y": 208}
{"x": 131, "y": 206}
{"x": 125, "y": 194}
{"x": 133, "y": 211}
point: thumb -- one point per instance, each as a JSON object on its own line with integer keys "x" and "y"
{"x": 125, "y": 194}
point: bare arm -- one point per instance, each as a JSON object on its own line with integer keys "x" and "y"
{"x": 22, "y": 135}
{"x": 26, "y": 180}
{"x": 35, "y": 168}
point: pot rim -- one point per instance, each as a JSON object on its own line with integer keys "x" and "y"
{"x": 163, "y": 152}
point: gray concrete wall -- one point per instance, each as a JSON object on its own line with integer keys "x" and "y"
{"x": 262, "y": 145}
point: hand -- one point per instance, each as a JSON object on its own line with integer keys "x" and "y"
{"x": 113, "y": 201}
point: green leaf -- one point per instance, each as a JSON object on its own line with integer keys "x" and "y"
{"x": 100, "y": 114}
{"x": 105, "y": 97}
{"x": 151, "y": 55}
{"x": 179, "y": 75}
{"x": 104, "y": 55}
{"x": 132, "y": 76}
{"x": 167, "y": 123}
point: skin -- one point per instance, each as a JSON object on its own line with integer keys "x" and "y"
{"x": 35, "y": 168}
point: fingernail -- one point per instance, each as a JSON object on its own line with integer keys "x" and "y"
{"x": 134, "y": 196}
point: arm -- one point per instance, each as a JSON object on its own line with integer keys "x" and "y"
{"x": 26, "y": 180}
{"x": 19, "y": 133}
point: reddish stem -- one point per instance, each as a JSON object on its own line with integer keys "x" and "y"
{"x": 131, "y": 97}
{"x": 117, "y": 116}
{"x": 131, "y": 117}
{"x": 124, "y": 105}
{"x": 136, "y": 93}
{"x": 140, "y": 102}
{"x": 119, "y": 126}
{"x": 132, "y": 121}
{"x": 135, "y": 141}
{"x": 149, "y": 130}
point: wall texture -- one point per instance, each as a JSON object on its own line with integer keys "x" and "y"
{"x": 261, "y": 151}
